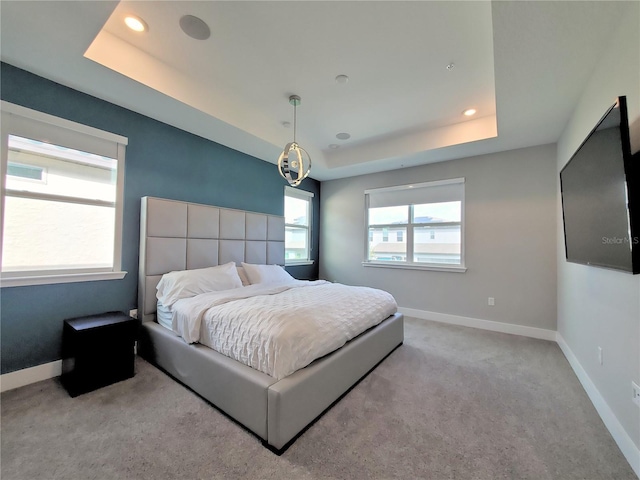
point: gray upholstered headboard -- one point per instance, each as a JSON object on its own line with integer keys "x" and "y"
{"x": 182, "y": 236}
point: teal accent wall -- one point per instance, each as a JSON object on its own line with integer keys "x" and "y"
{"x": 161, "y": 161}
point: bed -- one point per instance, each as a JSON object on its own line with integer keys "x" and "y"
{"x": 178, "y": 236}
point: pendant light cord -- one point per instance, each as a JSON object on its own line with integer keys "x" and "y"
{"x": 295, "y": 107}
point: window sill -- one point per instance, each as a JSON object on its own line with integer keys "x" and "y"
{"x": 301, "y": 262}
{"x": 436, "y": 268}
{"x": 66, "y": 278}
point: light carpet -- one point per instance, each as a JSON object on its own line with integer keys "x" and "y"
{"x": 451, "y": 403}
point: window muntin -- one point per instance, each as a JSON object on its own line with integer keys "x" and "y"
{"x": 416, "y": 225}
{"x": 61, "y": 199}
{"x": 297, "y": 215}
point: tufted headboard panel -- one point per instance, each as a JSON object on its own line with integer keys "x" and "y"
{"x": 178, "y": 235}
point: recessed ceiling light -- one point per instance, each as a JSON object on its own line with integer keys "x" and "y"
{"x": 136, "y": 23}
{"x": 195, "y": 27}
{"x": 334, "y": 145}
{"x": 343, "y": 136}
{"x": 342, "y": 79}
{"x": 469, "y": 112}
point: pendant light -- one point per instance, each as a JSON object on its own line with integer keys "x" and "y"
{"x": 294, "y": 163}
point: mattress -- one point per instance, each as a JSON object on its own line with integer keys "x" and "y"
{"x": 278, "y": 329}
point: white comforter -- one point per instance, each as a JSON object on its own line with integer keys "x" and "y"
{"x": 279, "y": 329}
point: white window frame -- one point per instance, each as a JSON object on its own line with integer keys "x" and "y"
{"x": 308, "y": 197}
{"x": 25, "y": 122}
{"x": 409, "y": 263}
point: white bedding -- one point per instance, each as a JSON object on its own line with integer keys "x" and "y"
{"x": 164, "y": 315}
{"x": 279, "y": 329}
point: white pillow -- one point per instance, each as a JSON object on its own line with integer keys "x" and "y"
{"x": 188, "y": 283}
{"x": 243, "y": 277}
{"x": 266, "y": 273}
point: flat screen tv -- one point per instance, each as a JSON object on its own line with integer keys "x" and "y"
{"x": 601, "y": 197}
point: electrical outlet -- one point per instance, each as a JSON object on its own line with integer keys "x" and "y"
{"x": 636, "y": 393}
{"x": 133, "y": 313}
{"x": 600, "y": 356}
{"x": 491, "y": 301}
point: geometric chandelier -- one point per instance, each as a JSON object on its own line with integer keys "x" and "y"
{"x": 294, "y": 163}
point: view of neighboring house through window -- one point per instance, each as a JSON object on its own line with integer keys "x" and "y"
{"x": 297, "y": 214}
{"x": 62, "y": 204}
{"x": 416, "y": 225}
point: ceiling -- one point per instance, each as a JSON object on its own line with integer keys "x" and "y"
{"x": 522, "y": 65}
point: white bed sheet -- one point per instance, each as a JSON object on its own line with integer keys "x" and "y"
{"x": 164, "y": 315}
{"x": 278, "y": 329}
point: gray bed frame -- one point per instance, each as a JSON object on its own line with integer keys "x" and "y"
{"x": 177, "y": 235}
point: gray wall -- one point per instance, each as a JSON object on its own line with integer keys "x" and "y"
{"x": 597, "y": 307}
{"x": 510, "y": 235}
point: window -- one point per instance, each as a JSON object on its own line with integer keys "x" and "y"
{"x": 297, "y": 218}
{"x": 61, "y": 200}
{"x": 426, "y": 221}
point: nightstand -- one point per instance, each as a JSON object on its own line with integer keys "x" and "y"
{"x": 97, "y": 350}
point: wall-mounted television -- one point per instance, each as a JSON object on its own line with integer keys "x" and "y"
{"x": 601, "y": 196}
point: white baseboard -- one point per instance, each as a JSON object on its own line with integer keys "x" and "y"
{"x": 23, "y": 377}
{"x": 533, "y": 332}
{"x": 621, "y": 437}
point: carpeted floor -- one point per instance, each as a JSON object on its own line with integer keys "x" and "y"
{"x": 452, "y": 402}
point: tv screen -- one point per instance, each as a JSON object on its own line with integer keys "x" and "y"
{"x": 596, "y": 184}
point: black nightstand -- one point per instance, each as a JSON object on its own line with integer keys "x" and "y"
{"x": 97, "y": 350}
